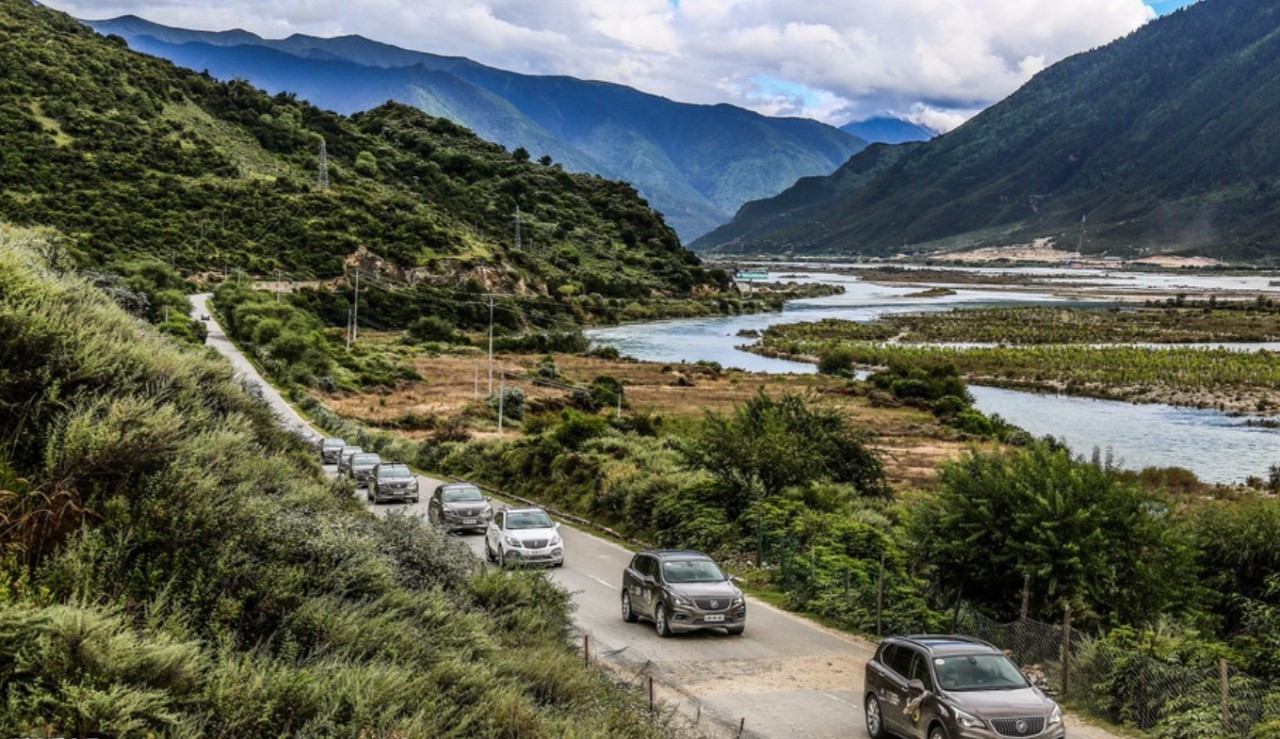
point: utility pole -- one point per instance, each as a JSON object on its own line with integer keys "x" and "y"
{"x": 355, "y": 310}
{"x": 322, "y": 176}
{"x": 490, "y": 391}
{"x": 502, "y": 393}
{"x": 1080, "y": 246}
{"x": 348, "y": 329}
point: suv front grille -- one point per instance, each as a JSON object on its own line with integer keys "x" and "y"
{"x": 1018, "y": 726}
{"x": 712, "y": 604}
{"x": 535, "y": 543}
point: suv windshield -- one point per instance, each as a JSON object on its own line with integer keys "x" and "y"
{"x": 528, "y": 520}
{"x": 334, "y": 443}
{"x": 691, "y": 570}
{"x": 393, "y": 470}
{"x": 365, "y": 459}
{"x": 978, "y": 672}
{"x": 461, "y": 495}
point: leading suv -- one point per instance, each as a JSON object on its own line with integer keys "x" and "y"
{"x": 680, "y": 590}
{"x": 948, "y": 687}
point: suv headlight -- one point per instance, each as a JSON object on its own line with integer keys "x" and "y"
{"x": 967, "y": 720}
{"x": 555, "y": 541}
{"x": 737, "y": 600}
{"x": 512, "y": 541}
{"x": 680, "y": 600}
{"x": 1055, "y": 716}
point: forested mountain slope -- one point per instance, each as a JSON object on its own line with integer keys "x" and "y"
{"x": 127, "y": 155}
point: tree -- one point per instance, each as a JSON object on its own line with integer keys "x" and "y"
{"x": 770, "y": 444}
{"x": 520, "y": 154}
{"x": 1108, "y": 548}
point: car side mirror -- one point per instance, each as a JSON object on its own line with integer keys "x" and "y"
{"x": 915, "y": 687}
{"x": 555, "y": 525}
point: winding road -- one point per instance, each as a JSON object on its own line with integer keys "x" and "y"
{"x": 785, "y": 677}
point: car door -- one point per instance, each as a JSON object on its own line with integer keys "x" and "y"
{"x": 494, "y": 532}
{"x": 640, "y": 584}
{"x": 893, "y": 690}
{"x": 918, "y": 670}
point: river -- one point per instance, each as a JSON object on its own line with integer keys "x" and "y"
{"x": 1215, "y": 446}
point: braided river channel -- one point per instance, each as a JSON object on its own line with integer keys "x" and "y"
{"x": 1216, "y": 446}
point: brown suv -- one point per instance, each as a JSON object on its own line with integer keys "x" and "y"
{"x": 680, "y": 590}
{"x": 948, "y": 687}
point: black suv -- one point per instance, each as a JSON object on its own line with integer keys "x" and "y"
{"x": 948, "y": 687}
{"x": 679, "y": 591}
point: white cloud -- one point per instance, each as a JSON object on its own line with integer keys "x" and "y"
{"x": 940, "y": 60}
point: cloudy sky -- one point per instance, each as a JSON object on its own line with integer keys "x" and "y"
{"x": 932, "y": 61}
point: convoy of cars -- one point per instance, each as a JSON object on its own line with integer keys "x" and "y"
{"x": 946, "y": 687}
{"x": 915, "y": 687}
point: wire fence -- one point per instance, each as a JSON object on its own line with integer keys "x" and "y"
{"x": 1133, "y": 686}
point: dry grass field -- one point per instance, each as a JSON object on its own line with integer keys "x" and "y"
{"x": 454, "y": 388}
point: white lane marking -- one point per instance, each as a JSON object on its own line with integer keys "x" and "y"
{"x": 838, "y": 699}
{"x": 602, "y": 582}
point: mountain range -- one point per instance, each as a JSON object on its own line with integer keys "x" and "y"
{"x": 695, "y": 163}
{"x": 1164, "y": 141}
{"x": 888, "y": 130}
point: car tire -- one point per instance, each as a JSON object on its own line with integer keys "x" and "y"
{"x": 937, "y": 731}
{"x": 875, "y": 718}
{"x": 735, "y": 630}
{"x": 660, "y": 624}
{"x": 628, "y": 613}
{"x": 413, "y": 501}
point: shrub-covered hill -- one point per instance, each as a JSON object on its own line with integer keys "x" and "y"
{"x": 130, "y": 155}
{"x": 1162, "y": 141}
{"x": 175, "y": 565}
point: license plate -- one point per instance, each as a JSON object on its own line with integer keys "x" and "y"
{"x": 469, "y": 520}
{"x": 714, "y": 619}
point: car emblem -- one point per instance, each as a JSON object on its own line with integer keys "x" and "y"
{"x": 1021, "y": 726}
{"x": 715, "y": 604}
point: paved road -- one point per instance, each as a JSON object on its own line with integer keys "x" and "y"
{"x": 785, "y": 677}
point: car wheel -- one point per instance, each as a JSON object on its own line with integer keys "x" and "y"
{"x": 628, "y": 615}
{"x": 937, "y": 731}
{"x": 660, "y": 624}
{"x": 875, "y": 719}
{"x": 735, "y": 630}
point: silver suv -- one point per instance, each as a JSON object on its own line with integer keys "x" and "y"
{"x": 523, "y": 536}
{"x": 331, "y": 450}
{"x": 679, "y": 591}
{"x": 361, "y": 465}
{"x": 948, "y": 687}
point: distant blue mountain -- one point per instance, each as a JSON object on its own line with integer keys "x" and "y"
{"x": 697, "y": 164}
{"x": 887, "y": 130}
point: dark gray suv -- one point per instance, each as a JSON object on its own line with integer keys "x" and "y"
{"x": 680, "y": 590}
{"x": 949, "y": 687}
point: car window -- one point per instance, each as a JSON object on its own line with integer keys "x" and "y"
{"x": 461, "y": 494}
{"x": 691, "y": 570}
{"x": 919, "y": 670}
{"x": 528, "y": 520}
{"x": 979, "y": 672}
{"x": 365, "y": 459}
{"x": 899, "y": 660}
{"x": 499, "y": 518}
{"x": 393, "y": 470}
{"x": 644, "y": 565}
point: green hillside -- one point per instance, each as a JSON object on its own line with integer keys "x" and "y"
{"x": 128, "y": 155}
{"x": 174, "y": 564}
{"x": 1167, "y": 140}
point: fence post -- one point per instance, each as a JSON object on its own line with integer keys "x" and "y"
{"x": 880, "y": 596}
{"x": 586, "y": 650}
{"x": 1026, "y": 595}
{"x": 1066, "y": 648}
{"x": 651, "y": 697}
{"x": 742, "y": 725}
{"x": 1222, "y": 695}
{"x": 759, "y": 536}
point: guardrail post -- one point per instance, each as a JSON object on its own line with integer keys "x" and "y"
{"x": 586, "y": 650}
